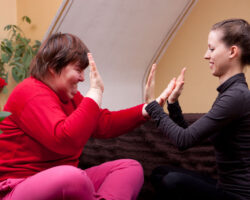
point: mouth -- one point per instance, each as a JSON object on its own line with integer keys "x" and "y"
{"x": 211, "y": 64}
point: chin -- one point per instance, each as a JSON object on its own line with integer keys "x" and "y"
{"x": 71, "y": 96}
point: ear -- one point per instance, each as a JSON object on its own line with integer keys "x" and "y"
{"x": 51, "y": 71}
{"x": 234, "y": 51}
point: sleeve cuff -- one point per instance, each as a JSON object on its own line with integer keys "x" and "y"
{"x": 153, "y": 107}
{"x": 173, "y": 107}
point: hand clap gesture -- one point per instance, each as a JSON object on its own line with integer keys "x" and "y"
{"x": 149, "y": 91}
{"x": 178, "y": 88}
{"x": 96, "y": 85}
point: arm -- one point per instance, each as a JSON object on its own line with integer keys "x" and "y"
{"x": 174, "y": 108}
{"x": 216, "y": 119}
{"x": 175, "y": 113}
{"x": 115, "y": 123}
{"x": 50, "y": 126}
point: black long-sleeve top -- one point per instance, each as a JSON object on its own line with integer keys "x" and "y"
{"x": 227, "y": 124}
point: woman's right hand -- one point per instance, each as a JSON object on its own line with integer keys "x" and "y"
{"x": 96, "y": 85}
{"x": 149, "y": 90}
{"x": 173, "y": 97}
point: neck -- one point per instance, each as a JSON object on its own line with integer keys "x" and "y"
{"x": 233, "y": 71}
{"x": 49, "y": 81}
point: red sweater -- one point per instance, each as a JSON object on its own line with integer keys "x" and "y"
{"x": 43, "y": 132}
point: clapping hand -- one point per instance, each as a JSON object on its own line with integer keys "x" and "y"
{"x": 178, "y": 88}
{"x": 173, "y": 90}
{"x": 149, "y": 92}
{"x": 96, "y": 85}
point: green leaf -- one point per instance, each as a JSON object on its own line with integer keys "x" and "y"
{"x": 9, "y": 47}
{"x": 5, "y": 90}
{"x": 26, "y": 19}
{"x": 6, "y": 47}
{"x": 18, "y": 73}
{"x": 27, "y": 59}
{"x": 17, "y": 58}
{"x": 17, "y": 64}
{"x": 7, "y": 27}
{"x": 15, "y": 27}
{"x": 3, "y": 115}
{"x": 5, "y": 58}
{"x": 25, "y": 41}
{"x": 36, "y": 47}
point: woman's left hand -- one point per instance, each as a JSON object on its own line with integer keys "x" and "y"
{"x": 178, "y": 88}
{"x": 166, "y": 93}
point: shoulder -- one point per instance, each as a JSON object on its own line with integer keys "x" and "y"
{"x": 237, "y": 94}
{"x": 29, "y": 90}
{"x": 233, "y": 102}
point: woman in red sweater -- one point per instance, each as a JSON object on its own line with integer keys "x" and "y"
{"x": 51, "y": 122}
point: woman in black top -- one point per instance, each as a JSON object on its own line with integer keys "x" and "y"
{"x": 227, "y": 124}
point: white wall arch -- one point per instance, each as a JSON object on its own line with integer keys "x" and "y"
{"x": 125, "y": 37}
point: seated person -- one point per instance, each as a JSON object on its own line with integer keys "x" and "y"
{"x": 50, "y": 124}
{"x": 227, "y": 124}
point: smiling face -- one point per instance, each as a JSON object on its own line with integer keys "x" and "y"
{"x": 218, "y": 54}
{"x": 65, "y": 83}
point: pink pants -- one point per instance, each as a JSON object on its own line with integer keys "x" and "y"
{"x": 114, "y": 180}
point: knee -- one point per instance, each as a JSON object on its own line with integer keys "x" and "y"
{"x": 132, "y": 168}
{"x": 172, "y": 180}
{"x": 156, "y": 177}
{"x": 70, "y": 177}
{"x": 132, "y": 164}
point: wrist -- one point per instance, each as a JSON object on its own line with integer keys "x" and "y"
{"x": 96, "y": 95}
{"x": 171, "y": 101}
{"x": 144, "y": 112}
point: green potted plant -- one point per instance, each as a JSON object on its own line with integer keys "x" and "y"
{"x": 16, "y": 52}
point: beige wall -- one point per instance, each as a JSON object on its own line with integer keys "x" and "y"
{"x": 7, "y": 15}
{"x": 188, "y": 48}
{"x": 41, "y": 13}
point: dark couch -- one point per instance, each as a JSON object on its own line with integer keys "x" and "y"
{"x": 151, "y": 148}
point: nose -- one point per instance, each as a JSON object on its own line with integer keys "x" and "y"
{"x": 207, "y": 56}
{"x": 81, "y": 76}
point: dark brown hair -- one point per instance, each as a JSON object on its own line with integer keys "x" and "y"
{"x": 56, "y": 52}
{"x": 236, "y": 32}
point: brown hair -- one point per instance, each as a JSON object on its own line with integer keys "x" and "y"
{"x": 236, "y": 32}
{"x": 56, "y": 52}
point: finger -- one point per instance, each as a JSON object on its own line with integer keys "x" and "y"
{"x": 182, "y": 75}
{"x": 165, "y": 94}
{"x": 93, "y": 68}
{"x": 151, "y": 75}
{"x": 91, "y": 62}
{"x": 179, "y": 86}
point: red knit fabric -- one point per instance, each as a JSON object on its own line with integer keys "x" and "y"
{"x": 43, "y": 132}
